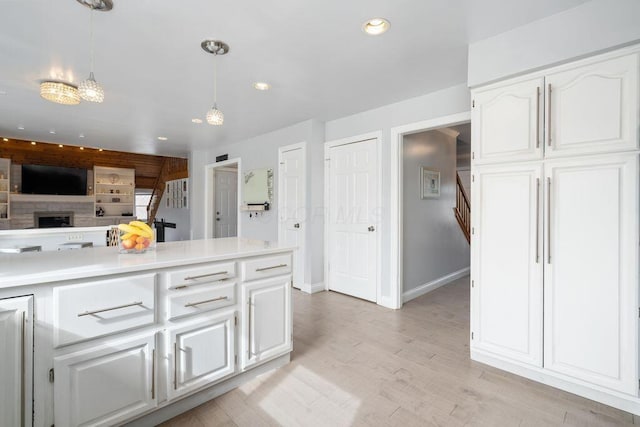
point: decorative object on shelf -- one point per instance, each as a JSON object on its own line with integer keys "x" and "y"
{"x": 90, "y": 191}
{"x": 115, "y": 200}
{"x": 89, "y": 89}
{"x": 136, "y": 237}
{"x": 113, "y": 178}
{"x": 60, "y": 92}
{"x": 99, "y": 211}
{"x": 429, "y": 183}
{"x": 215, "y": 117}
{"x": 15, "y": 188}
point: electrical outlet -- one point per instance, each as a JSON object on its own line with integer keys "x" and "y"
{"x": 75, "y": 237}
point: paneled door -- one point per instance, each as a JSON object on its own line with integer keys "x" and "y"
{"x": 105, "y": 385}
{"x": 266, "y": 320}
{"x": 591, "y": 270}
{"x": 507, "y": 261}
{"x": 203, "y": 351}
{"x": 292, "y": 208}
{"x": 593, "y": 108}
{"x": 506, "y": 123}
{"x": 354, "y": 214}
{"x": 226, "y": 203}
{"x": 16, "y": 336}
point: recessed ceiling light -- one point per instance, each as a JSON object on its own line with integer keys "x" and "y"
{"x": 82, "y": 148}
{"x": 81, "y": 135}
{"x": 262, "y": 86}
{"x": 5, "y": 139}
{"x": 376, "y": 26}
{"x": 20, "y": 127}
{"x": 60, "y": 145}
{"x": 33, "y": 143}
{"x": 162, "y": 138}
{"x": 52, "y": 132}
{"x": 3, "y": 92}
{"x": 100, "y": 149}
{"x": 198, "y": 121}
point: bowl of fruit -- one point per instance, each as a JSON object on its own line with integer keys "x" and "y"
{"x": 136, "y": 238}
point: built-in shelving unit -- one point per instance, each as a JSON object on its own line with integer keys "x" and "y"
{"x": 114, "y": 191}
{"x": 5, "y": 188}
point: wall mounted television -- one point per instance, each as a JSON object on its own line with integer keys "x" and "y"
{"x": 38, "y": 179}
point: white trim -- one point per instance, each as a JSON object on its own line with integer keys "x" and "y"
{"x": 305, "y": 235}
{"x": 377, "y": 135}
{"x": 312, "y": 288}
{"x": 209, "y": 199}
{"x": 395, "y": 213}
{"x": 573, "y": 385}
{"x": 434, "y": 284}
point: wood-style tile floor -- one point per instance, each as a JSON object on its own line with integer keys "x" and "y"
{"x": 357, "y": 364}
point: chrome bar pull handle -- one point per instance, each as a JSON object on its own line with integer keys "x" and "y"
{"x": 102, "y": 310}
{"x": 175, "y": 365}
{"x": 538, "y": 117}
{"x": 271, "y": 268}
{"x": 153, "y": 374}
{"x": 22, "y": 368}
{"x": 548, "y": 220}
{"x": 549, "y": 115}
{"x": 195, "y": 304}
{"x": 202, "y": 276}
{"x": 537, "y": 220}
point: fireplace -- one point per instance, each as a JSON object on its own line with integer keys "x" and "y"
{"x": 53, "y": 219}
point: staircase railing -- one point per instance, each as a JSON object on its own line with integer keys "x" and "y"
{"x": 156, "y": 194}
{"x": 462, "y": 210}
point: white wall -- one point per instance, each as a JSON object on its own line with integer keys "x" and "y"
{"x": 262, "y": 152}
{"x": 437, "y": 104}
{"x": 433, "y": 244}
{"x": 592, "y": 27}
{"x": 182, "y": 218}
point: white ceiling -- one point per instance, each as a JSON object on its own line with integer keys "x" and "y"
{"x": 156, "y": 77}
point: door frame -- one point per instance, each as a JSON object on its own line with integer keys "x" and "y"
{"x": 306, "y": 273}
{"x": 394, "y": 300}
{"x": 328, "y": 145}
{"x": 209, "y": 196}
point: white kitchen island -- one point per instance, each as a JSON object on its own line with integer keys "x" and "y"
{"x": 94, "y": 337}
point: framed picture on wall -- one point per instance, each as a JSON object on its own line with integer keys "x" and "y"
{"x": 429, "y": 183}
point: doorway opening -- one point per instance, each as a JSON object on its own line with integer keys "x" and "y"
{"x": 222, "y": 192}
{"x": 424, "y": 200}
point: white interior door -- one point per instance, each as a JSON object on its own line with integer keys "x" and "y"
{"x": 591, "y": 270}
{"x": 507, "y": 261}
{"x": 293, "y": 208}
{"x": 354, "y": 211}
{"x": 15, "y": 354}
{"x": 226, "y": 203}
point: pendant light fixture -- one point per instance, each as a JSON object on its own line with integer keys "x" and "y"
{"x": 59, "y": 92}
{"x": 215, "y": 117}
{"x": 89, "y": 89}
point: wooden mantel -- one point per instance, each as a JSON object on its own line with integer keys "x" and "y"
{"x": 147, "y": 167}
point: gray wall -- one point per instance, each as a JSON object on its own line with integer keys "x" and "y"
{"x": 591, "y": 27}
{"x": 182, "y": 218}
{"x": 433, "y": 244}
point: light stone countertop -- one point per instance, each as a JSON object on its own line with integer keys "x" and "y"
{"x": 32, "y": 268}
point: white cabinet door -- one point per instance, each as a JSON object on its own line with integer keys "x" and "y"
{"x": 16, "y": 336}
{"x": 266, "y": 320}
{"x": 591, "y": 270}
{"x": 507, "y": 123}
{"x": 507, "y": 261}
{"x": 593, "y": 108}
{"x": 107, "y": 384}
{"x": 203, "y": 352}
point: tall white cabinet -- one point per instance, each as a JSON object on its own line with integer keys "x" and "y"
{"x": 555, "y": 237}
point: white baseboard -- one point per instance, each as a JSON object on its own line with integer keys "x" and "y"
{"x": 312, "y": 288}
{"x": 434, "y": 284}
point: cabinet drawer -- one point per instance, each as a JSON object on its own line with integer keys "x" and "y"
{"x": 93, "y": 309}
{"x": 185, "y": 301}
{"x": 203, "y": 274}
{"x": 260, "y": 268}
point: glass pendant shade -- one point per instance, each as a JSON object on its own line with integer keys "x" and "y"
{"x": 60, "y": 93}
{"x": 90, "y": 90}
{"x": 215, "y": 116}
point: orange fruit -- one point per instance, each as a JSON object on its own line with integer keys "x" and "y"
{"x": 141, "y": 239}
{"x": 128, "y": 243}
{"x": 139, "y": 247}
